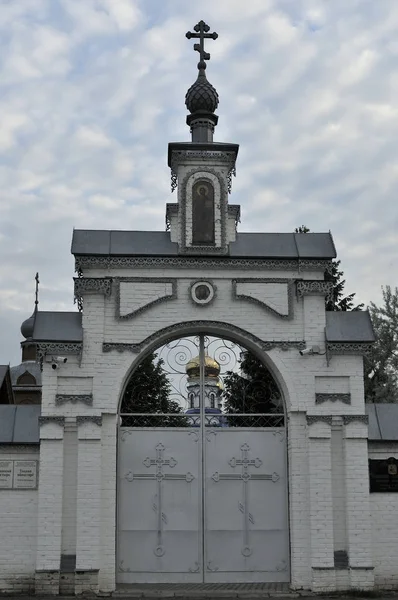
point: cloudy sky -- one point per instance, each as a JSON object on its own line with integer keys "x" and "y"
{"x": 92, "y": 91}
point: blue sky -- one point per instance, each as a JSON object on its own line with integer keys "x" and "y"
{"x": 92, "y": 91}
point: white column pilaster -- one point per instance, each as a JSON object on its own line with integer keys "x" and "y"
{"x": 49, "y": 522}
{"x": 88, "y": 503}
{"x": 359, "y": 523}
{"x": 321, "y": 505}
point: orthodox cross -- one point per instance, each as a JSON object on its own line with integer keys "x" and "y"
{"x": 37, "y": 292}
{"x": 245, "y": 462}
{"x": 159, "y": 462}
{"x": 202, "y": 32}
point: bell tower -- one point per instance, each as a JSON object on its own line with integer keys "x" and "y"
{"x": 202, "y": 221}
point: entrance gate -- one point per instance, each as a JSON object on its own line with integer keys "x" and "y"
{"x": 202, "y": 492}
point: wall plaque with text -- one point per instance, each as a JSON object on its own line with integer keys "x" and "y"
{"x": 6, "y": 474}
{"x": 25, "y": 474}
{"x": 383, "y": 475}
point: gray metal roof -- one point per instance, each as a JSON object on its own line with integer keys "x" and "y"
{"x": 58, "y": 327}
{"x": 157, "y": 243}
{"x": 123, "y": 243}
{"x": 349, "y": 326}
{"x": 383, "y": 422}
{"x": 31, "y": 366}
{"x": 19, "y": 424}
{"x": 3, "y": 373}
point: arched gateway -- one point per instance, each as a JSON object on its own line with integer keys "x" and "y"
{"x": 163, "y": 447}
{"x": 202, "y": 485}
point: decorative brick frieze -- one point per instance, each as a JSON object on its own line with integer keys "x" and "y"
{"x": 311, "y": 419}
{"x": 97, "y": 285}
{"x": 82, "y": 419}
{"x": 74, "y": 399}
{"x": 170, "y": 262}
{"x": 314, "y": 288}
{"x": 58, "y": 420}
{"x": 169, "y": 333}
{"x": 207, "y": 156}
{"x": 347, "y": 419}
{"x": 57, "y": 349}
{"x": 320, "y": 398}
{"x": 263, "y": 303}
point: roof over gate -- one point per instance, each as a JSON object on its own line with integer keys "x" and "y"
{"x": 247, "y": 245}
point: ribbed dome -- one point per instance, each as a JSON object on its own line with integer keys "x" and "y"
{"x": 212, "y": 368}
{"x": 201, "y": 96}
{"x": 28, "y": 326}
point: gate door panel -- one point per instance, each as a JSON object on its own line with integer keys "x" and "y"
{"x": 202, "y": 490}
{"x": 159, "y": 506}
{"x": 246, "y": 528}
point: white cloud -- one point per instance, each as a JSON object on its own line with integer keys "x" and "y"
{"x": 93, "y": 92}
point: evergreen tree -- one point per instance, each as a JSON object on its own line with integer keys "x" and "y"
{"x": 253, "y": 390}
{"x": 381, "y": 367}
{"x": 148, "y": 391}
{"x": 338, "y": 300}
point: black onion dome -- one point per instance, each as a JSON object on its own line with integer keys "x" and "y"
{"x": 28, "y": 326}
{"x": 201, "y": 96}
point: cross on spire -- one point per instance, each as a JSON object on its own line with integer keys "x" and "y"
{"x": 37, "y": 292}
{"x": 202, "y": 33}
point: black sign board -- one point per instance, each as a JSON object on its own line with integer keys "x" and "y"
{"x": 383, "y": 475}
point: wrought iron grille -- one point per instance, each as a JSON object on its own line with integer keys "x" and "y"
{"x": 202, "y": 379}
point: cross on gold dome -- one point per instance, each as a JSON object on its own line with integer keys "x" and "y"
{"x": 202, "y": 33}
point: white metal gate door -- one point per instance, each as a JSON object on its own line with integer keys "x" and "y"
{"x": 202, "y": 491}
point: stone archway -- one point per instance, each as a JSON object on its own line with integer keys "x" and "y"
{"x": 202, "y": 474}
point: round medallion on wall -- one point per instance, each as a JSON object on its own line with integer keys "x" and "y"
{"x": 202, "y": 292}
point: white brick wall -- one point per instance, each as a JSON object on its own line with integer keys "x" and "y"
{"x": 384, "y": 508}
{"x": 18, "y": 529}
{"x": 315, "y": 533}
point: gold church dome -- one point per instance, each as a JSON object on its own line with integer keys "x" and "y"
{"x": 212, "y": 368}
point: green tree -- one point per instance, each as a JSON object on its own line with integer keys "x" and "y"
{"x": 381, "y": 367}
{"x": 338, "y": 300}
{"x": 148, "y": 391}
{"x": 252, "y": 390}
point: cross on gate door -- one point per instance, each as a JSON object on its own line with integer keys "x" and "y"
{"x": 204, "y": 498}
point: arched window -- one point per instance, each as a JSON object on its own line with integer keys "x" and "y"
{"x": 191, "y": 400}
{"x": 26, "y": 379}
{"x": 203, "y": 213}
{"x": 212, "y": 400}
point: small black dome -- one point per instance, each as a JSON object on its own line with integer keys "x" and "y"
{"x": 201, "y": 96}
{"x": 28, "y": 326}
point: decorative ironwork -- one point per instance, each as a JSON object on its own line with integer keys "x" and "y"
{"x": 347, "y": 419}
{"x": 57, "y": 348}
{"x": 315, "y": 288}
{"x": 201, "y": 32}
{"x": 174, "y": 180}
{"x": 194, "y": 569}
{"x": 263, "y": 303}
{"x": 98, "y": 285}
{"x": 134, "y": 313}
{"x": 210, "y": 566}
{"x": 164, "y": 262}
{"x": 349, "y": 348}
{"x": 311, "y": 419}
{"x": 246, "y": 463}
{"x": 159, "y": 462}
{"x": 234, "y": 210}
{"x": 74, "y": 399}
{"x": 329, "y": 397}
{"x": 58, "y": 420}
{"x": 231, "y": 397}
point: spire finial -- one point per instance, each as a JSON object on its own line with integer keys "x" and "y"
{"x": 37, "y": 292}
{"x": 202, "y": 33}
